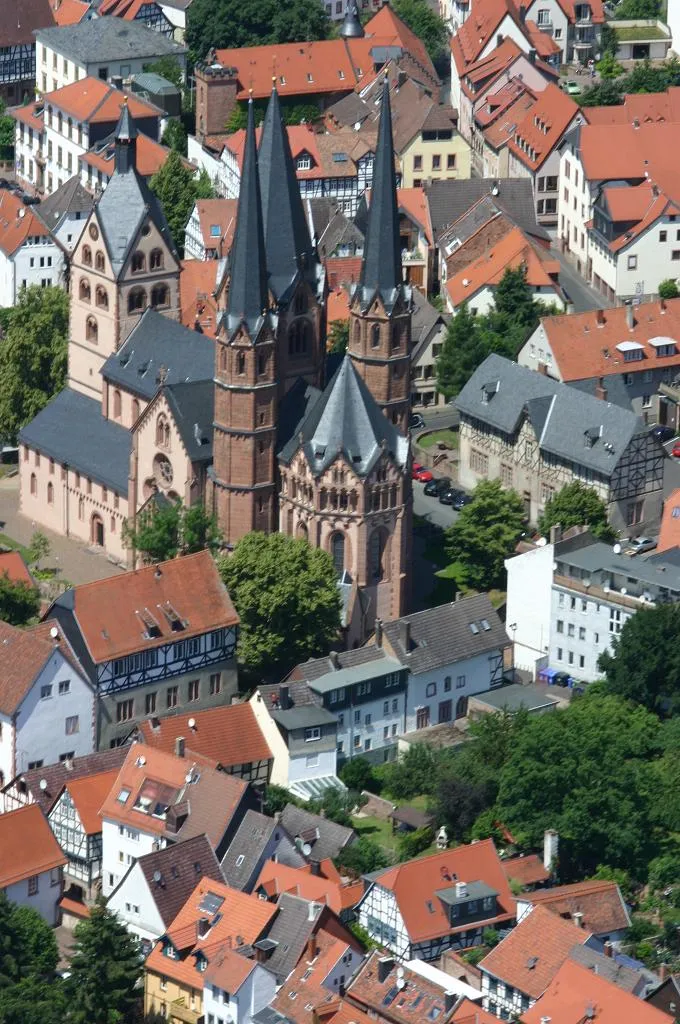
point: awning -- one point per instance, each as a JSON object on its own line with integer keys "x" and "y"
{"x": 312, "y": 789}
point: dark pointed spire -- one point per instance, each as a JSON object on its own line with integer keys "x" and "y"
{"x": 125, "y": 147}
{"x": 248, "y": 292}
{"x": 351, "y": 27}
{"x": 381, "y": 264}
{"x": 287, "y": 240}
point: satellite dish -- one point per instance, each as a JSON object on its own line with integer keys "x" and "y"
{"x": 306, "y": 849}
{"x": 43, "y": 785}
{"x": 192, "y": 723}
{"x": 400, "y": 972}
{"x": 141, "y": 761}
{"x": 189, "y": 778}
{"x": 157, "y": 877}
{"x": 54, "y": 632}
{"x": 623, "y": 590}
{"x": 541, "y": 542}
{"x": 401, "y": 983}
{"x": 617, "y": 549}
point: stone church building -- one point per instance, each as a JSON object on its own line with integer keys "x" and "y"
{"x": 258, "y": 424}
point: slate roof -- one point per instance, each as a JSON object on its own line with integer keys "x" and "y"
{"x": 347, "y": 418}
{"x": 317, "y": 667}
{"x": 449, "y": 200}
{"x": 291, "y": 930}
{"x": 72, "y": 430}
{"x": 105, "y": 39}
{"x": 180, "y": 865}
{"x": 249, "y": 841}
{"x": 442, "y": 636}
{"x": 192, "y": 407}
{"x": 426, "y": 322}
{"x": 155, "y": 342}
{"x": 608, "y": 968}
{"x": 69, "y": 198}
{"x": 58, "y": 775}
{"x": 561, "y": 415}
{"x": 332, "y": 838}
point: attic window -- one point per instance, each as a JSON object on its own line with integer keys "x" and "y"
{"x": 151, "y": 627}
{"x": 474, "y": 628}
{"x": 177, "y": 623}
{"x": 531, "y": 962}
{"x": 123, "y": 795}
{"x": 430, "y": 906}
{"x": 339, "y": 158}
{"x": 341, "y": 74}
{"x": 282, "y": 79}
{"x": 489, "y": 390}
{"x": 485, "y": 625}
{"x": 309, "y": 77}
{"x": 214, "y": 230}
{"x": 239, "y": 860}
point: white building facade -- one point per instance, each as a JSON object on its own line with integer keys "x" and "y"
{"x": 253, "y": 994}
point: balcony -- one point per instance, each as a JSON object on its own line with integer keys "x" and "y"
{"x": 546, "y": 26}
{"x": 412, "y": 256}
{"x": 178, "y": 1010}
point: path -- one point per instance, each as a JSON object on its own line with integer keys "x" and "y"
{"x": 577, "y": 288}
{"x": 75, "y": 562}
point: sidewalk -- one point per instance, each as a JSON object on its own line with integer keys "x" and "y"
{"x": 75, "y": 562}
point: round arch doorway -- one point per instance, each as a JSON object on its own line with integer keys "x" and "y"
{"x": 97, "y": 530}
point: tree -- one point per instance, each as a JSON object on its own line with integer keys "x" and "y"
{"x": 609, "y": 42}
{"x": 362, "y": 857}
{"x": 668, "y": 289}
{"x": 462, "y": 352}
{"x": 36, "y": 943}
{"x": 276, "y": 798}
{"x": 32, "y": 356}
{"x": 608, "y": 66}
{"x": 638, "y": 9}
{"x": 167, "y": 67}
{"x": 165, "y": 530}
{"x": 235, "y": 23}
{"x": 413, "y": 843}
{"x": 33, "y": 1001}
{"x": 175, "y": 137}
{"x": 338, "y": 337}
{"x": 286, "y": 594}
{"x": 644, "y": 665}
{"x": 459, "y": 802}
{"x": 484, "y": 534}
{"x": 105, "y": 969}
{"x": 19, "y": 601}
{"x": 358, "y": 775}
{"x": 11, "y": 956}
{"x": 577, "y": 505}
{"x": 7, "y": 128}
{"x": 427, "y": 25}
{"x": 177, "y": 190}
{"x": 39, "y": 547}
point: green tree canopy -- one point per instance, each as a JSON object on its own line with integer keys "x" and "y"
{"x": 37, "y": 945}
{"x": 357, "y": 773}
{"x": 643, "y": 77}
{"x": 32, "y": 356}
{"x": 668, "y": 289}
{"x": 338, "y": 336}
{"x": 166, "y": 529}
{"x": 424, "y": 23}
{"x": 484, "y": 534}
{"x": 167, "y": 67}
{"x": 230, "y": 23}
{"x": 286, "y": 594}
{"x": 362, "y": 857}
{"x": 629, "y": 9}
{"x": 33, "y": 1001}
{"x": 7, "y": 128}
{"x": 19, "y": 601}
{"x": 177, "y": 190}
{"x": 175, "y": 137}
{"x": 105, "y": 969}
{"x": 412, "y": 774}
{"x": 644, "y": 665}
{"x": 576, "y": 504}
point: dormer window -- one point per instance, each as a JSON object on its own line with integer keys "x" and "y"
{"x": 489, "y": 390}
{"x": 304, "y": 162}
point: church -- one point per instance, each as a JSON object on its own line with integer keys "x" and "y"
{"x": 257, "y": 424}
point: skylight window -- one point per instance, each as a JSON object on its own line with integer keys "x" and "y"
{"x": 239, "y": 860}
{"x": 123, "y": 795}
{"x": 215, "y": 230}
{"x": 485, "y": 625}
{"x": 474, "y": 628}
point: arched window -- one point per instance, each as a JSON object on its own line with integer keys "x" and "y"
{"x": 135, "y": 410}
{"x": 223, "y": 358}
{"x": 162, "y": 432}
{"x": 91, "y": 330}
{"x": 375, "y": 335}
{"x": 101, "y": 297}
{"x": 87, "y": 256}
{"x": 357, "y": 330}
{"x": 50, "y": 493}
{"x": 34, "y": 485}
{"x": 81, "y": 508}
{"x": 299, "y": 338}
{"x": 240, "y": 363}
{"x": 301, "y": 532}
{"x": 160, "y": 296}
{"x": 300, "y": 304}
{"x": 117, "y": 405}
{"x": 396, "y": 336}
{"x": 136, "y": 300}
{"x": 376, "y": 556}
{"x": 84, "y": 290}
{"x": 99, "y": 261}
{"x": 138, "y": 262}
{"x": 262, "y": 363}
{"x": 461, "y": 707}
{"x": 338, "y": 553}
{"x": 156, "y": 260}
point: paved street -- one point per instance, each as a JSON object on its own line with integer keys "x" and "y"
{"x": 581, "y": 294}
{"x": 431, "y": 509}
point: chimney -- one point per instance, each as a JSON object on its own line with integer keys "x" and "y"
{"x": 577, "y": 918}
{"x": 551, "y": 842}
{"x": 385, "y": 965}
{"x": 546, "y": 1020}
{"x": 405, "y": 634}
{"x": 522, "y": 13}
{"x": 461, "y": 890}
{"x": 608, "y": 949}
{"x": 312, "y": 948}
{"x": 630, "y": 316}
{"x": 542, "y": 368}
{"x": 662, "y": 306}
{"x": 311, "y": 912}
{"x": 601, "y": 390}
{"x": 555, "y": 538}
{"x": 636, "y": 122}
{"x": 532, "y": 56}
{"x": 378, "y": 632}
{"x": 499, "y": 38}
{"x": 179, "y": 746}
{"x": 600, "y": 318}
{"x": 663, "y": 972}
{"x": 203, "y": 927}
{"x": 284, "y": 697}
{"x": 334, "y": 659}
{"x": 315, "y": 868}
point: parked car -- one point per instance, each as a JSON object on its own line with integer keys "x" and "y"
{"x": 435, "y": 487}
{"x": 461, "y": 501}
{"x": 637, "y": 545}
{"x": 572, "y": 88}
{"x": 450, "y": 496}
{"x": 416, "y": 421}
{"x": 675, "y": 450}
{"x": 663, "y": 434}
{"x": 422, "y": 474}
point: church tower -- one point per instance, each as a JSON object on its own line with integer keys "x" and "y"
{"x": 380, "y": 311}
{"x": 244, "y": 469}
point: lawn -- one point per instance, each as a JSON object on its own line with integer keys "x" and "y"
{"x": 640, "y": 34}
{"x": 381, "y": 831}
{"x": 7, "y": 542}
{"x": 447, "y": 437}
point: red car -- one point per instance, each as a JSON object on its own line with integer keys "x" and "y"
{"x": 675, "y": 452}
{"x": 419, "y": 472}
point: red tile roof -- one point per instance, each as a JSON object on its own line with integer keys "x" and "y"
{"x": 543, "y": 126}
{"x": 543, "y": 43}
{"x": 303, "y": 997}
{"x": 478, "y": 29}
{"x": 496, "y": 103}
{"x": 576, "y": 995}
{"x": 88, "y": 795}
{"x": 419, "y": 1001}
{"x": 583, "y": 345}
{"x": 622, "y": 151}
{"x": 669, "y": 535}
{"x": 530, "y": 956}
{"x": 14, "y": 567}
{"x": 17, "y": 223}
{"x": 502, "y": 129}
{"x": 126, "y": 9}
{"x": 342, "y": 270}
{"x": 228, "y": 970}
{"x": 217, "y": 219}
{"x": 228, "y": 735}
{"x": 93, "y": 101}
{"x": 31, "y": 115}
{"x": 27, "y": 845}
{"x": 22, "y": 658}
{"x": 600, "y": 904}
{"x": 70, "y": 12}
{"x": 468, "y": 1012}
{"x": 107, "y": 611}
{"x": 646, "y": 107}
{"x": 151, "y": 156}
{"x": 197, "y": 285}
{"x": 416, "y": 882}
{"x": 337, "y": 306}
{"x": 526, "y": 870}
{"x": 487, "y": 270}
{"x": 276, "y": 878}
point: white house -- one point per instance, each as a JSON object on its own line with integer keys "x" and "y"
{"x": 65, "y": 212}
{"x": 46, "y": 703}
{"x": 29, "y": 255}
{"x": 235, "y": 988}
{"x": 30, "y": 862}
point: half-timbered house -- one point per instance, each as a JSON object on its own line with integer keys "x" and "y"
{"x": 536, "y": 435}
{"x": 18, "y": 22}
{"x": 151, "y": 641}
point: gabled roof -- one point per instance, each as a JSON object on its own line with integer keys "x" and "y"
{"x": 449, "y": 200}
{"x": 246, "y": 848}
{"x": 27, "y": 845}
{"x": 70, "y": 12}
{"x": 575, "y": 994}
{"x": 296, "y": 920}
{"x": 669, "y": 534}
{"x": 158, "y": 345}
{"x": 217, "y": 222}
{"x": 468, "y": 1012}
{"x": 198, "y": 282}
{"x": 13, "y": 566}
{"x": 420, "y": 999}
{"x": 190, "y": 586}
{"x": 478, "y": 30}
{"x": 346, "y": 418}
{"x": 543, "y": 126}
{"x": 192, "y": 406}
{"x": 18, "y": 21}
{"x": 526, "y": 870}
{"x": 631, "y": 152}
{"x": 56, "y": 776}
{"x": 228, "y": 735}
{"x": 630, "y": 979}
{"x": 88, "y": 794}
{"x": 18, "y": 223}
{"x": 103, "y": 39}
{"x": 530, "y": 956}
{"x": 330, "y": 838}
{"x": 276, "y": 878}
{"x": 22, "y": 658}
{"x": 150, "y": 156}
{"x": 69, "y": 198}
{"x": 93, "y": 101}
{"x": 228, "y": 970}
{"x": 304, "y": 998}
{"x": 447, "y": 634}
{"x": 415, "y": 884}
{"x": 180, "y": 866}
{"x": 600, "y": 904}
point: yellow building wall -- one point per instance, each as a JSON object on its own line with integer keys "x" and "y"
{"x": 443, "y": 148}
{"x": 158, "y": 999}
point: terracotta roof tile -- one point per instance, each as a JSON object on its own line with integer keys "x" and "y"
{"x": 180, "y": 866}
{"x": 503, "y": 127}
{"x": 669, "y": 535}
{"x": 17, "y": 223}
{"x": 583, "y": 345}
{"x": 574, "y": 989}
{"x": 542, "y": 42}
{"x": 93, "y": 101}
{"x": 543, "y": 126}
{"x": 22, "y": 657}
{"x": 276, "y": 878}
{"x": 416, "y": 882}
{"x": 228, "y": 970}
{"x": 303, "y": 994}
{"x": 337, "y": 306}
{"x": 488, "y": 269}
{"x": 530, "y": 956}
{"x": 478, "y": 28}
{"x": 88, "y": 794}
{"x": 14, "y": 567}
{"x": 57, "y": 775}
{"x": 496, "y": 103}
{"x": 526, "y": 870}
{"x": 342, "y": 270}
{"x": 626, "y": 152}
{"x": 27, "y": 845}
{"x": 217, "y": 219}
{"x": 190, "y": 586}
{"x": 70, "y": 12}
{"x": 151, "y": 156}
{"x": 31, "y": 115}
{"x": 600, "y": 904}
{"x": 74, "y": 907}
{"x": 468, "y": 1012}
{"x": 646, "y": 107}
{"x": 20, "y": 19}
{"x": 420, "y": 999}
{"x": 197, "y": 286}
{"x": 228, "y": 735}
